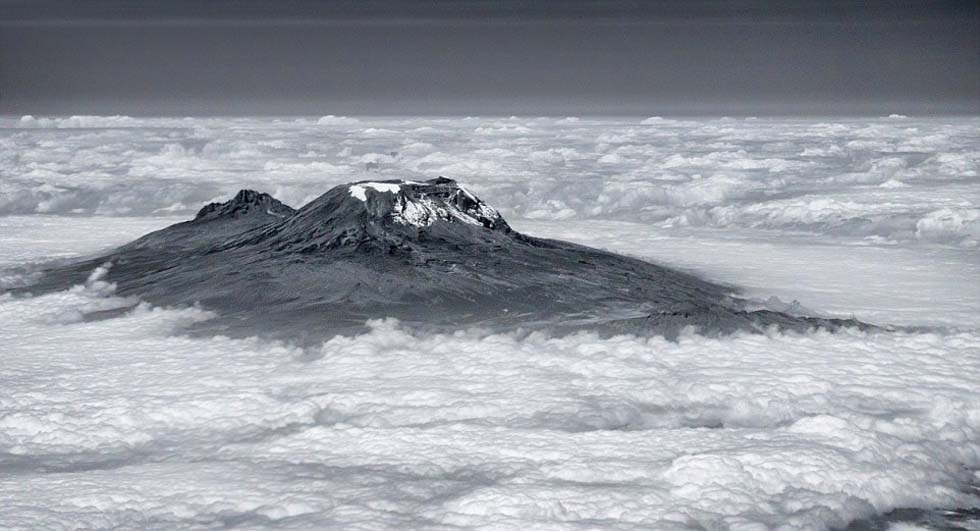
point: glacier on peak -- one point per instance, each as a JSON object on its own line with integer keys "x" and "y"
{"x": 359, "y": 190}
{"x": 420, "y": 204}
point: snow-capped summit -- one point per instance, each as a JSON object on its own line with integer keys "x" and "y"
{"x": 391, "y": 215}
{"x": 420, "y": 204}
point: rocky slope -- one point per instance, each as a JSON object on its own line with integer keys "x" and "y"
{"x": 429, "y": 253}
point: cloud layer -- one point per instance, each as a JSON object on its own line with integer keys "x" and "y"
{"x": 892, "y": 180}
{"x": 110, "y": 417}
{"x": 120, "y": 423}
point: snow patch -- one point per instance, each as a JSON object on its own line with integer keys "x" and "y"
{"x": 424, "y": 211}
{"x": 360, "y": 190}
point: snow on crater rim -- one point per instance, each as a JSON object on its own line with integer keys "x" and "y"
{"x": 422, "y": 211}
{"x": 360, "y": 190}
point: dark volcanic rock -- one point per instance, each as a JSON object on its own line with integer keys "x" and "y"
{"x": 245, "y": 204}
{"x": 381, "y": 215}
{"x": 428, "y": 253}
{"x": 217, "y": 222}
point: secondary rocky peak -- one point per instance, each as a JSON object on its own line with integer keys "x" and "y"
{"x": 245, "y": 202}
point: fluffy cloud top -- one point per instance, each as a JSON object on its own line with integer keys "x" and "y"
{"x": 336, "y": 120}
{"x": 110, "y": 417}
{"x": 120, "y": 423}
{"x": 732, "y": 174}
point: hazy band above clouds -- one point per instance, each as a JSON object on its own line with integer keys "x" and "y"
{"x": 245, "y": 58}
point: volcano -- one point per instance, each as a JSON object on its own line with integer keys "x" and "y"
{"x": 430, "y": 254}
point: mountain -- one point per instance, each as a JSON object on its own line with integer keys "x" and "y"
{"x": 218, "y": 221}
{"x": 429, "y": 253}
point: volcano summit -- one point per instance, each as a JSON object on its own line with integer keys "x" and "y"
{"x": 428, "y": 253}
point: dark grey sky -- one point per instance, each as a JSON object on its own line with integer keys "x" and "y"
{"x": 482, "y": 57}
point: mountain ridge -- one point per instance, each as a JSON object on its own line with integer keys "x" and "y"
{"x": 246, "y": 201}
{"x": 429, "y": 253}
{"x": 390, "y": 211}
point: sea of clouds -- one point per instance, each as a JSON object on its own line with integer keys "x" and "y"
{"x": 110, "y": 417}
{"x": 889, "y": 180}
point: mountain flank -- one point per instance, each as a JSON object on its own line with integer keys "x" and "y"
{"x": 429, "y": 253}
